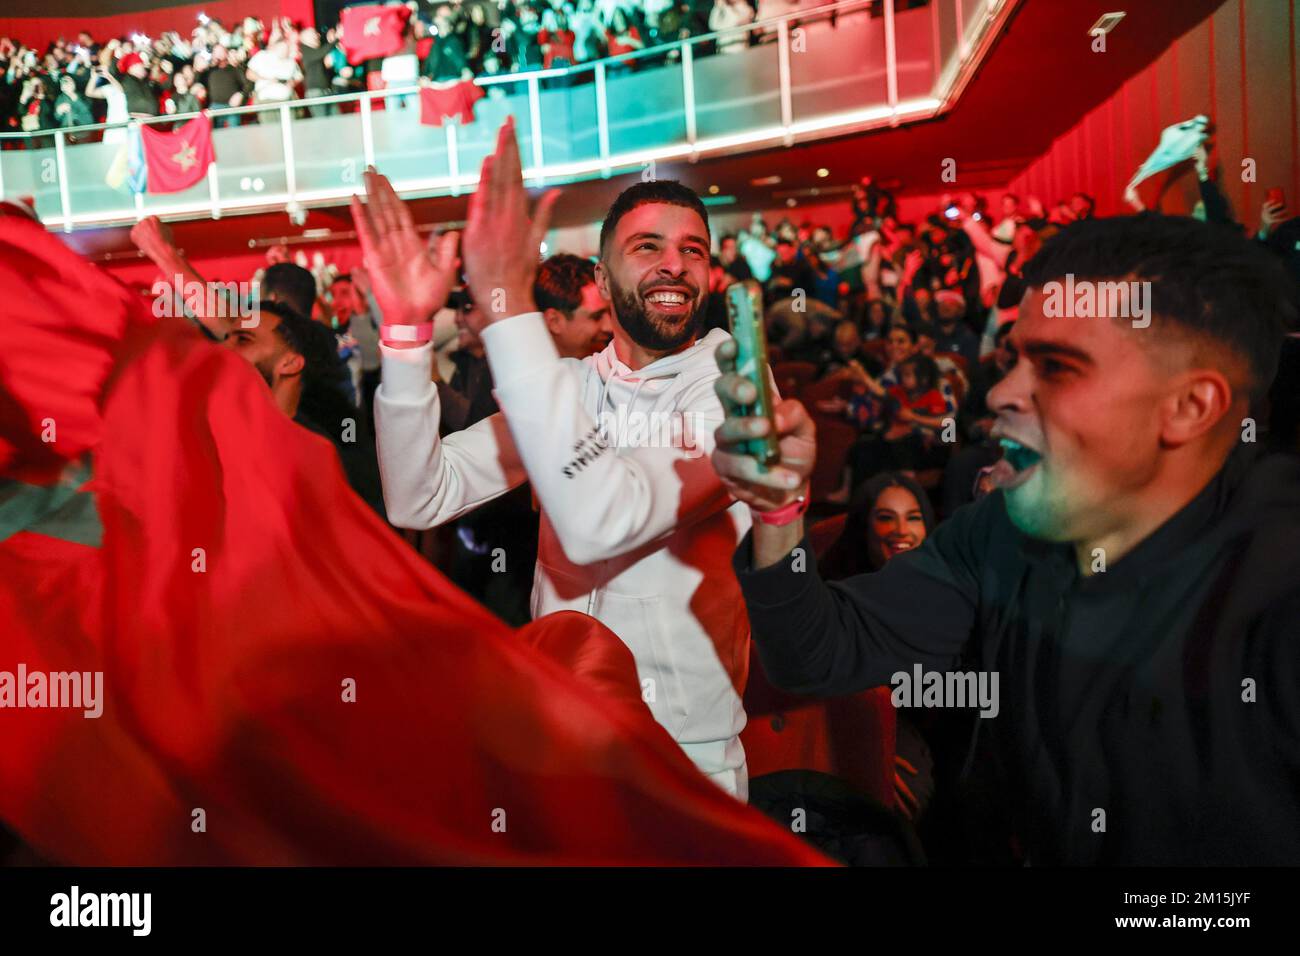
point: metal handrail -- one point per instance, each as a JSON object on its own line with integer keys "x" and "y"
{"x": 824, "y": 12}
{"x": 789, "y": 128}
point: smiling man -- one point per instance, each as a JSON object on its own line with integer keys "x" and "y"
{"x": 1132, "y": 581}
{"x": 637, "y": 529}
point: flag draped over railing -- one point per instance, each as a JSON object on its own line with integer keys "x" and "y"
{"x": 157, "y": 161}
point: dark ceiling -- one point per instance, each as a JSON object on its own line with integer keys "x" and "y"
{"x": 1041, "y": 77}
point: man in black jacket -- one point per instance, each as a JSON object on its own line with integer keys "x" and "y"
{"x": 1132, "y": 583}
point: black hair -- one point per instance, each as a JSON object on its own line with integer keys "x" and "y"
{"x": 911, "y": 332}
{"x": 560, "y": 282}
{"x": 1206, "y": 279}
{"x": 668, "y": 191}
{"x": 848, "y": 555}
{"x": 324, "y": 375}
{"x": 927, "y": 371}
{"x": 291, "y": 284}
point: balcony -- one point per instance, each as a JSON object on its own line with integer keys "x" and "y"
{"x": 830, "y": 70}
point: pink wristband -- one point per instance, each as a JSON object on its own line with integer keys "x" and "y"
{"x": 785, "y": 514}
{"x": 406, "y": 333}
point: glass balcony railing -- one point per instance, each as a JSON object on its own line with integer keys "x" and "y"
{"x": 828, "y": 70}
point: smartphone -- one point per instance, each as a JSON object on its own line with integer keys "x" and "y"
{"x": 745, "y": 313}
{"x": 1276, "y": 197}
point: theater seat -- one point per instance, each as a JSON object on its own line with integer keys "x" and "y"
{"x": 791, "y": 377}
{"x": 826, "y": 532}
{"x": 852, "y": 738}
{"x": 834, "y": 438}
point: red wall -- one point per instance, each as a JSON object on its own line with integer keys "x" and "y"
{"x": 39, "y": 31}
{"x": 1238, "y": 67}
{"x": 140, "y": 273}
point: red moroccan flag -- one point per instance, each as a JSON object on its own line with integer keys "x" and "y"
{"x": 179, "y": 159}
{"x": 455, "y": 99}
{"x": 269, "y": 650}
{"x": 373, "y": 31}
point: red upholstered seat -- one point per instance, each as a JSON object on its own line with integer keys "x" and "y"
{"x": 852, "y": 738}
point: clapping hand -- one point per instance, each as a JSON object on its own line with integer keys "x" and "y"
{"x": 502, "y": 244}
{"x": 410, "y": 282}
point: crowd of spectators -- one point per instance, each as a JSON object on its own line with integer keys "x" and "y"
{"x": 87, "y": 79}
{"x": 894, "y": 332}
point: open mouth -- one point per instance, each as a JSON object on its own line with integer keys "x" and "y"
{"x": 1018, "y": 462}
{"x": 669, "y": 301}
{"x": 897, "y": 546}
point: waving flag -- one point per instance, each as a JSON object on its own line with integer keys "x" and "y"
{"x": 128, "y": 169}
{"x": 283, "y": 679}
{"x": 1178, "y": 143}
{"x": 373, "y": 31}
{"x": 177, "y": 160}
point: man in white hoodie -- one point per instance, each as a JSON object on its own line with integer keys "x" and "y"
{"x": 636, "y": 528}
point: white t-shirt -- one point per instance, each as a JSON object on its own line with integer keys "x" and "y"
{"x": 402, "y": 69}
{"x": 117, "y": 113}
{"x": 275, "y": 76}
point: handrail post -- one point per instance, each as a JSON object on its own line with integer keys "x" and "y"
{"x": 602, "y": 120}
{"x": 535, "y": 120}
{"x": 61, "y": 169}
{"x": 688, "y": 95}
{"x": 453, "y": 160}
{"x": 783, "y": 71}
{"x": 891, "y": 62}
{"x": 214, "y": 191}
{"x": 286, "y": 139}
{"x": 367, "y": 133}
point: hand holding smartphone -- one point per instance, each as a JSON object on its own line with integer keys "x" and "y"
{"x": 745, "y": 312}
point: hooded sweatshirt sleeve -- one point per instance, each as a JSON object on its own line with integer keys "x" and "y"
{"x": 600, "y": 503}
{"x": 429, "y": 480}
{"x": 823, "y": 639}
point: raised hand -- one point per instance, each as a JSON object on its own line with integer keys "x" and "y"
{"x": 410, "y": 281}
{"x": 153, "y": 237}
{"x": 1270, "y": 214}
{"x": 501, "y": 243}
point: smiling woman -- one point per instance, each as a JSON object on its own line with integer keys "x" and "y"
{"x": 888, "y": 514}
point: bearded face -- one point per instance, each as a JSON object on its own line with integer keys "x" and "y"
{"x": 656, "y": 275}
{"x": 660, "y": 315}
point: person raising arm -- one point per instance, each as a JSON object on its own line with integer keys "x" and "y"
{"x": 636, "y": 528}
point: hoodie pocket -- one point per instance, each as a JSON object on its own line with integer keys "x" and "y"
{"x": 639, "y": 624}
